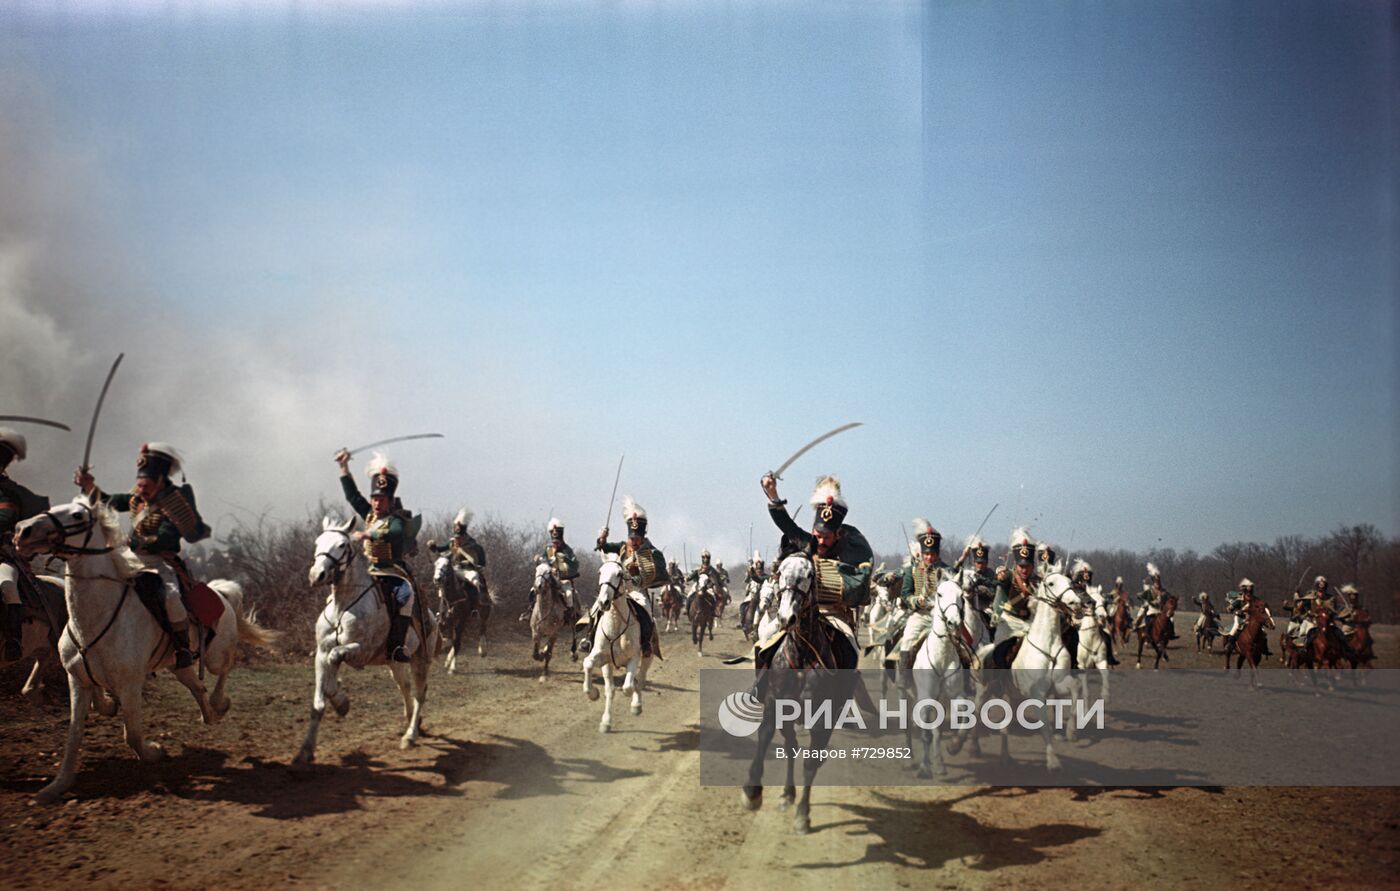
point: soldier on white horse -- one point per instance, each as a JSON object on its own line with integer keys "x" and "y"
{"x": 1082, "y": 577}
{"x": 753, "y": 580}
{"x": 562, "y": 561}
{"x": 977, "y": 581}
{"x": 917, "y": 592}
{"x": 388, "y": 533}
{"x": 162, "y": 514}
{"x": 643, "y": 568}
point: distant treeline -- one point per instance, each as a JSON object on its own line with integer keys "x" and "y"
{"x": 271, "y": 558}
{"x": 1358, "y": 555}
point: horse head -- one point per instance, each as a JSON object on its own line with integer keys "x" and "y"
{"x": 610, "y": 579}
{"x": 794, "y": 587}
{"x": 333, "y": 555}
{"x": 544, "y": 580}
{"x": 442, "y": 571}
{"x": 82, "y": 527}
{"x": 947, "y": 604}
{"x": 1058, "y": 591}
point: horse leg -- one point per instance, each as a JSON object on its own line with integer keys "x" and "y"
{"x": 190, "y": 679}
{"x": 1141, "y": 641}
{"x": 324, "y": 690}
{"x": 1047, "y": 733}
{"x": 133, "y": 725}
{"x": 481, "y": 634}
{"x": 78, "y": 699}
{"x": 752, "y": 794}
{"x": 218, "y": 699}
{"x": 802, "y": 817}
{"x": 630, "y": 685}
{"x": 790, "y": 786}
{"x": 588, "y": 662}
{"x": 403, "y": 677}
{"x": 605, "y": 724}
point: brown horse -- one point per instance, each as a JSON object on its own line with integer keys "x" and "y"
{"x": 1121, "y": 626}
{"x": 1250, "y": 643}
{"x": 1157, "y": 632}
{"x": 702, "y": 619}
{"x": 671, "y": 604}
{"x": 1207, "y": 629}
{"x": 1326, "y": 648}
{"x": 1362, "y": 647}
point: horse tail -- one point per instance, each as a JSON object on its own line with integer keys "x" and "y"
{"x": 250, "y": 632}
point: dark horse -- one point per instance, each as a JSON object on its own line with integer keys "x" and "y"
{"x": 1250, "y": 643}
{"x": 1327, "y": 648}
{"x": 459, "y": 600}
{"x": 702, "y": 618}
{"x": 812, "y": 662}
{"x": 1156, "y": 633}
{"x": 1362, "y": 647}
{"x": 671, "y": 604}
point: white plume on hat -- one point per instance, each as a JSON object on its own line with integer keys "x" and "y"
{"x": 757, "y": 557}
{"x": 1020, "y": 536}
{"x": 827, "y": 487}
{"x": 463, "y": 518}
{"x": 378, "y": 463}
{"x": 1348, "y": 588}
{"x": 1321, "y": 578}
{"x": 1245, "y": 583}
{"x": 1080, "y": 565}
{"x": 1152, "y": 570}
{"x": 15, "y": 440}
{"x": 555, "y": 523}
{"x": 632, "y": 509}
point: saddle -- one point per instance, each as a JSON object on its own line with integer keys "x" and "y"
{"x": 1004, "y": 652}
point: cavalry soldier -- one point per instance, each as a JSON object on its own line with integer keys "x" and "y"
{"x": 840, "y": 555}
{"x": 1119, "y": 593}
{"x": 1015, "y": 589}
{"x": 1318, "y": 601}
{"x": 693, "y": 580}
{"x": 466, "y": 552}
{"x": 1351, "y": 602}
{"x": 162, "y": 514}
{"x": 1081, "y": 577}
{"x": 1047, "y": 560}
{"x": 919, "y": 590}
{"x": 16, "y": 505}
{"x": 644, "y": 565}
{"x": 753, "y": 580}
{"x": 564, "y": 564}
{"x": 1238, "y": 603}
{"x": 387, "y": 535}
{"x": 1151, "y": 600}
{"x": 978, "y": 582}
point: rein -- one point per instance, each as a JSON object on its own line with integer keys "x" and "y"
{"x": 339, "y": 567}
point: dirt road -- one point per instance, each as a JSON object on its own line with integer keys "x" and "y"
{"x": 517, "y": 788}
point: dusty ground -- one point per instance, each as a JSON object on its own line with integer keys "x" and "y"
{"x": 516, "y": 788}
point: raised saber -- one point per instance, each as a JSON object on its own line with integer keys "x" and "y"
{"x": 778, "y": 474}
{"x": 613, "y": 496}
{"x": 96, "y": 412}
{"x": 390, "y": 441}
{"x": 23, "y": 419}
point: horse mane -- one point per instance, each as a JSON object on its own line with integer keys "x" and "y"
{"x": 124, "y": 559}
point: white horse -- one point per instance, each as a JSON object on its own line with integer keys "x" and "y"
{"x": 765, "y": 614}
{"x": 617, "y": 643}
{"x": 457, "y": 607}
{"x": 111, "y": 641}
{"x": 353, "y": 630}
{"x": 1042, "y": 666}
{"x": 546, "y": 616}
{"x": 1093, "y": 649}
{"x": 938, "y": 671}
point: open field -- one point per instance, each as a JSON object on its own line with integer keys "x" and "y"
{"x": 516, "y": 788}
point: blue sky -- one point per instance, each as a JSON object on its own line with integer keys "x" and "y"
{"x": 1137, "y": 258}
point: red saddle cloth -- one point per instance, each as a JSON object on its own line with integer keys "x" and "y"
{"x": 204, "y": 604}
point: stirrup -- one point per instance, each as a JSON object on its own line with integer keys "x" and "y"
{"x": 183, "y": 658}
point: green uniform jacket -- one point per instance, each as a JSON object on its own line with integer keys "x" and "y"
{"x": 1004, "y": 595}
{"x": 17, "y": 504}
{"x": 908, "y": 590}
{"x": 469, "y": 546}
{"x": 562, "y": 560}
{"x": 387, "y": 529}
{"x": 154, "y": 537}
{"x": 852, "y": 554}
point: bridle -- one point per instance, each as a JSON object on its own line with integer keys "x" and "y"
{"x": 339, "y": 567}
{"x": 85, "y": 524}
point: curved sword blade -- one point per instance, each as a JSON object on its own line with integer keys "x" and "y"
{"x": 27, "y": 420}
{"x": 393, "y": 439}
{"x": 97, "y": 412}
{"x": 778, "y": 474}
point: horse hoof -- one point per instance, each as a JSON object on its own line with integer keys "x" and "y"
{"x": 592, "y": 694}
{"x": 636, "y": 709}
{"x": 604, "y": 728}
{"x": 1139, "y": 665}
{"x": 924, "y": 773}
{"x": 48, "y": 795}
{"x": 154, "y": 752}
{"x": 751, "y": 802}
{"x": 407, "y": 743}
{"x": 341, "y": 706}
{"x": 802, "y": 825}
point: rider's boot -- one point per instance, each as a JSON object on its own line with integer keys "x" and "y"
{"x": 398, "y": 632}
{"x": 14, "y": 632}
{"x": 180, "y": 633}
